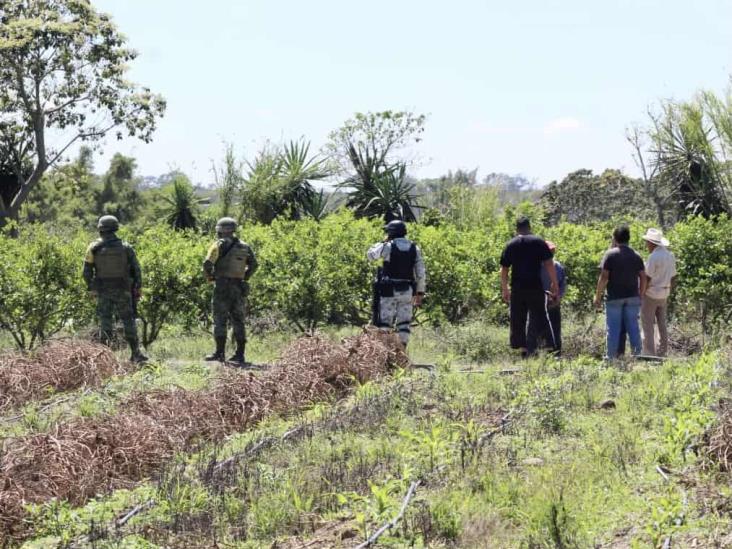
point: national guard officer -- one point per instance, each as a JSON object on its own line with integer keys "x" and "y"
{"x": 113, "y": 277}
{"x": 401, "y": 281}
{"x": 229, "y": 264}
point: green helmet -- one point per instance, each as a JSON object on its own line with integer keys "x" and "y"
{"x": 226, "y": 225}
{"x": 108, "y": 223}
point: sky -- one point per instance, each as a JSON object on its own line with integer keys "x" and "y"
{"x": 533, "y": 87}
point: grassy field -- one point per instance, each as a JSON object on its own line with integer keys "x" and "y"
{"x": 493, "y": 452}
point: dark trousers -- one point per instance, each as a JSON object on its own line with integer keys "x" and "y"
{"x": 553, "y": 335}
{"x": 525, "y": 305}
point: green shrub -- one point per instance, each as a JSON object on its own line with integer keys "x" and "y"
{"x": 703, "y": 250}
{"x": 41, "y": 288}
{"x": 174, "y": 288}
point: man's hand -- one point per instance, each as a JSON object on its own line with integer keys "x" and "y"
{"x": 136, "y": 294}
{"x": 92, "y": 294}
{"x": 417, "y": 300}
{"x": 506, "y": 295}
{"x": 598, "y": 303}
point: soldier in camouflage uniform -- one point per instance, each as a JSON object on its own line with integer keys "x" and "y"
{"x": 113, "y": 277}
{"x": 229, "y": 264}
{"x": 401, "y": 281}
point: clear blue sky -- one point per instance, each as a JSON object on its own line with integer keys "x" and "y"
{"x": 537, "y": 87}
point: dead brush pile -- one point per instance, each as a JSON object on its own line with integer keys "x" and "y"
{"x": 86, "y": 457}
{"x": 57, "y": 366}
{"x": 717, "y": 441}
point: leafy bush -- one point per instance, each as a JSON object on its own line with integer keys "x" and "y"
{"x": 174, "y": 288}
{"x": 315, "y": 272}
{"x": 41, "y": 288}
{"x": 703, "y": 250}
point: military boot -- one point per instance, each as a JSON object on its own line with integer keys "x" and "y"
{"x": 137, "y": 355}
{"x": 238, "y": 357}
{"x": 218, "y": 354}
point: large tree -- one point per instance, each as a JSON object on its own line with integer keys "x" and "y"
{"x": 63, "y": 81}
{"x": 583, "y": 197}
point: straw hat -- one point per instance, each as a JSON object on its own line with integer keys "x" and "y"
{"x": 655, "y": 236}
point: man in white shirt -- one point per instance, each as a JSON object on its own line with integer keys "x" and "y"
{"x": 660, "y": 273}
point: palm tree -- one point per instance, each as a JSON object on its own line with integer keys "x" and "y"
{"x": 386, "y": 193}
{"x": 183, "y": 204}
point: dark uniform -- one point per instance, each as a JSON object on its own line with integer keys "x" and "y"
{"x": 229, "y": 264}
{"x": 112, "y": 271}
{"x": 401, "y": 278}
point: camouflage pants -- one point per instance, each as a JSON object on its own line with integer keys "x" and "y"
{"x": 397, "y": 311}
{"x": 229, "y": 305}
{"x": 111, "y": 303}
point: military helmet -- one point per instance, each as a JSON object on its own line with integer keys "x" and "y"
{"x": 108, "y": 223}
{"x": 396, "y": 228}
{"x": 226, "y": 225}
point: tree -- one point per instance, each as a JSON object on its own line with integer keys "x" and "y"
{"x": 583, "y": 197}
{"x": 183, "y": 204}
{"x": 63, "y": 71}
{"x": 65, "y": 195}
{"x": 229, "y": 179}
{"x": 119, "y": 194}
{"x": 365, "y": 147}
{"x": 279, "y": 182}
{"x": 686, "y": 153}
{"x": 684, "y": 156}
{"x": 389, "y": 194}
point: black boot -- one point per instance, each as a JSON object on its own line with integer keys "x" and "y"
{"x": 238, "y": 357}
{"x": 137, "y": 355}
{"x": 218, "y": 354}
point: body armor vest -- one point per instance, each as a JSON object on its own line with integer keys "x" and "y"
{"x": 234, "y": 262}
{"x": 111, "y": 262}
{"x": 401, "y": 264}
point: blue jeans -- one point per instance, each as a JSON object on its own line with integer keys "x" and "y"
{"x": 619, "y": 312}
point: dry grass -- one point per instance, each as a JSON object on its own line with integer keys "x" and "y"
{"x": 86, "y": 457}
{"x": 718, "y": 441}
{"x": 58, "y": 366}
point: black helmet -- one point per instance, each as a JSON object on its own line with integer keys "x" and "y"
{"x": 396, "y": 229}
{"x": 226, "y": 225}
{"x": 108, "y": 223}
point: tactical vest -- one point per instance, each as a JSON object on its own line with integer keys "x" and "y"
{"x": 234, "y": 262}
{"x": 112, "y": 262}
{"x": 401, "y": 264}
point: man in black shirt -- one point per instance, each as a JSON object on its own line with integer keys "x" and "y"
{"x": 524, "y": 256}
{"x": 622, "y": 275}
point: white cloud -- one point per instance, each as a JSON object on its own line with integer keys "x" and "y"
{"x": 562, "y": 125}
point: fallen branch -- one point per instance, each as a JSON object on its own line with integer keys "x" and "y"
{"x": 393, "y": 522}
{"x": 265, "y": 442}
{"x": 134, "y": 512}
{"x": 505, "y": 420}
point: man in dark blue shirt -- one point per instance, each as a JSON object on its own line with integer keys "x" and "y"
{"x": 553, "y": 334}
{"x": 524, "y": 257}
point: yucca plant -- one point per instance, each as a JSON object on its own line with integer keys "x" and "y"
{"x": 685, "y": 156}
{"x": 299, "y": 171}
{"x": 183, "y": 204}
{"x": 280, "y": 182}
{"x": 387, "y": 193}
{"x": 316, "y": 205}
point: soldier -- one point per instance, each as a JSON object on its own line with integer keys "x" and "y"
{"x": 401, "y": 281}
{"x": 113, "y": 277}
{"x": 229, "y": 264}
